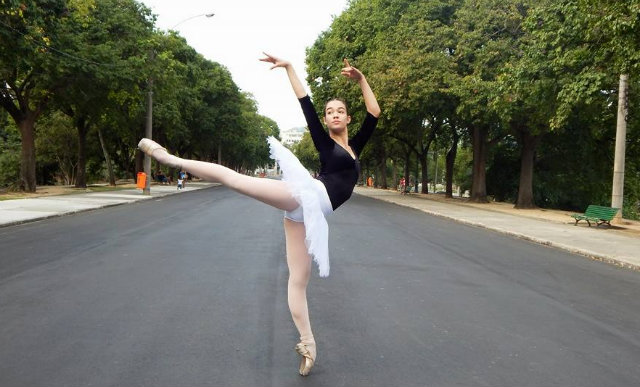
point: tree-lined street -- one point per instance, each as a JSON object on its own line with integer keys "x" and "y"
{"x": 503, "y": 99}
{"x": 532, "y": 105}
{"x": 190, "y": 289}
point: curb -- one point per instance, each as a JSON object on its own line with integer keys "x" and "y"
{"x": 596, "y": 257}
{"x": 61, "y": 214}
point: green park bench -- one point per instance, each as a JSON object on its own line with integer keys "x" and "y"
{"x": 597, "y": 214}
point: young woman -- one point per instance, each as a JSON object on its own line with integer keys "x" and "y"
{"x": 305, "y": 200}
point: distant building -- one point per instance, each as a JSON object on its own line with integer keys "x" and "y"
{"x": 292, "y": 136}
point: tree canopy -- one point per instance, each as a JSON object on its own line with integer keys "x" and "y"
{"x": 512, "y": 80}
{"x": 94, "y": 61}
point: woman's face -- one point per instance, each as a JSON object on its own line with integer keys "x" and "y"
{"x": 335, "y": 116}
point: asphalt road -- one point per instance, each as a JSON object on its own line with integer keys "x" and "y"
{"x": 190, "y": 290}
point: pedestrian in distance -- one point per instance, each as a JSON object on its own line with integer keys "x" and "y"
{"x": 162, "y": 178}
{"x": 183, "y": 176}
{"x": 305, "y": 200}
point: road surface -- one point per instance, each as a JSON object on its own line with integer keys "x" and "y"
{"x": 190, "y": 290}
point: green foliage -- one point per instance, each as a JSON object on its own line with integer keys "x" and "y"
{"x": 93, "y": 60}
{"x": 462, "y": 168}
{"x": 503, "y": 171}
{"x": 584, "y": 45}
{"x": 57, "y": 143}
{"x": 9, "y": 153}
{"x": 29, "y": 59}
{"x": 306, "y": 152}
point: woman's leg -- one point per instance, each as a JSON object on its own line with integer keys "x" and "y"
{"x": 299, "y": 263}
{"x": 269, "y": 191}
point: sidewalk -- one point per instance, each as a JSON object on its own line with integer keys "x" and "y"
{"x": 17, "y": 211}
{"x": 619, "y": 244}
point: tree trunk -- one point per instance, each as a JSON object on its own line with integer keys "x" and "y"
{"x": 435, "y": 170}
{"x": 479, "y": 181}
{"x": 528, "y": 143}
{"x": 424, "y": 163}
{"x": 407, "y": 160}
{"x": 107, "y": 158}
{"x": 415, "y": 181}
{"x": 450, "y": 161}
{"x": 28, "y": 152}
{"x": 83, "y": 128}
{"x": 383, "y": 170}
{"x": 394, "y": 175}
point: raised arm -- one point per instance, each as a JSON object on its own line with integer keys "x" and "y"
{"x": 320, "y": 138}
{"x": 370, "y": 100}
{"x": 297, "y": 86}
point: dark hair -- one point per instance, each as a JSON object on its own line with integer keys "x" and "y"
{"x": 335, "y": 99}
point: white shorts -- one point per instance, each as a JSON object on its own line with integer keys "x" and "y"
{"x": 297, "y": 215}
{"x": 314, "y": 202}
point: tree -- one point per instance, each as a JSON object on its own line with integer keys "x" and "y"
{"x": 109, "y": 36}
{"x": 9, "y": 152}
{"x": 572, "y": 52}
{"x": 355, "y": 35}
{"x": 618, "y": 22}
{"x": 404, "y": 48}
{"x": 28, "y": 70}
{"x": 487, "y": 37}
{"x": 524, "y": 94}
{"x": 57, "y": 144}
{"x": 306, "y": 152}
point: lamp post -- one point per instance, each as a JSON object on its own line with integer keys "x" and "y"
{"x": 149, "y": 121}
{"x": 148, "y": 130}
{"x": 617, "y": 191}
{"x": 192, "y": 17}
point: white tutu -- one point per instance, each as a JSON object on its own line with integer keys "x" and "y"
{"x": 312, "y": 197}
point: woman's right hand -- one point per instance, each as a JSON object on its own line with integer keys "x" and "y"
{"x": 276, "y": 61}
{"x": 298, "y": 89}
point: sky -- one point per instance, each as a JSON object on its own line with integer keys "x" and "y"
{"x": 242, "y": 30}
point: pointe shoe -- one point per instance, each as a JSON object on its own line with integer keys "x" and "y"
{"x": 307, "y": 351}
{"x": 148, "y": 146}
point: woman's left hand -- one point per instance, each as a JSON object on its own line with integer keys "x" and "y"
{"x": 351, "y": 72}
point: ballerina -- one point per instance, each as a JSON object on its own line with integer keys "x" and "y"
{"x": 305, "y": 200}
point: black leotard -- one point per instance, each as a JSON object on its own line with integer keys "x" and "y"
{"x": 338, "y": 170}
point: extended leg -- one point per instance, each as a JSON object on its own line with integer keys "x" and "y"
{"x": 299, "y": 263}
{"x": 272, "y": 192}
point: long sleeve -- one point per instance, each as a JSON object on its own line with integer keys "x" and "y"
{"x": 358, "y": 141}
{"x": 320, "y": 138}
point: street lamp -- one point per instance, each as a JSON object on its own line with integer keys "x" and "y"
{"x": 149, "y": 120}
{"x": 192, "y": 17}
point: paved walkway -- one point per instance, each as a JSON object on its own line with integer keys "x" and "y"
{"x": 613, "y": 245}
{"x": 18, "y": 211}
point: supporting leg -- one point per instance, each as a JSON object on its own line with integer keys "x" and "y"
{"x": 299, "y": 263}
